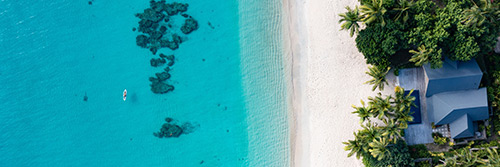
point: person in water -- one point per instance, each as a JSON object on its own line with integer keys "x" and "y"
{"x": 124, "y": 94}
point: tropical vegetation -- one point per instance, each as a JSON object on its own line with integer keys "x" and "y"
{"x": 382, "y": 144}
{"x": 410, "y": 33}
{"x": 378, "y": 77}
{"x": 482, "y": 157}
{"x": 416, "y": 32}
{"x": 350, "y": 19}
{"x": 398, "y": 155}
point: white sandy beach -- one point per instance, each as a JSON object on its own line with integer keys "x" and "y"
{"x": 328, "y": 76}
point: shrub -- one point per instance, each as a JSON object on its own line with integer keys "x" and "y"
{"x": 492, "y": 81}
{"x": 398, "y": 156}
{"x": 419, "y": 151}
{"x": 378, "y": 42}
{"x": 440, "y": 29}
{"x": 439, "y": 139}
{"x": 423, "y": 164}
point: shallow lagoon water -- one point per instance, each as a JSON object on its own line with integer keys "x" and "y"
{"x": 229, "y": 79}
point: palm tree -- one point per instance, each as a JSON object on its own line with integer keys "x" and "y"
{"x": 378, "y": 75}
{"x": 391, "y": 130}
{"x": 473, "y": 16}
{"x": 403, "y": 8}
{"x": 421, "y": 56}
{"x": 364, "y": 113}
{"x": 403, "y": 117}
{"x": 477, "y": 15}
{"x": 381, "y": 107}
{"x": 403, "y": 101}
{"x": 368, "y": 133}
{"x": 462, "y": 158}
{"x": 373, "y": 12}
{"x": 379, "y": 148}
{"x": 493, "y": 158}
{"x": 449, "y": 162}
{"x": 361, "y": 141}
{"x": 350, "y": 19}
{"x": 467, "y": 158}
{"x": 355, "y": 147}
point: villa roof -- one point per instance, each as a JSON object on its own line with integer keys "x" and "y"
{"x": 453, "y": 76}
{"x": 445, "y": 108}
{"x": 462, "y": 127}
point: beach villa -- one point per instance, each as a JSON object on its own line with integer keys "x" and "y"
{"x": 450, "y": 98}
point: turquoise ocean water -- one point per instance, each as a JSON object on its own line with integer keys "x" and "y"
{"x": 53, "y": 52}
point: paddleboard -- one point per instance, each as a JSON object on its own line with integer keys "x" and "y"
{"x": 124, "y": 94}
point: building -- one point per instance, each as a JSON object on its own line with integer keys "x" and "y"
{"x": 454, "y": 97}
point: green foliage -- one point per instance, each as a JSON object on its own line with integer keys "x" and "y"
{"x": 388, "y": 4}
{"x": 361, "y": 143}
{"x": 457, "y": 29}
{"x": 350, "y": 19}
{"x": 397, "y": 156}
{"x": 419, "y": 151}
{"x": 373, "y": 12}
{"x": 421, "y": 56}
{"x": 493, "y": 158}
{"x": 375, "y": 141}
{"x": 364, "y": 113}
{"x": 423, "y": 164}
{"x": 403, "y": 10}
{"x": 439, "y": 139}
{"x": 378, "y": 77}
{"x": 381, "y": 106}
{"x": 396, "y": 71}
{"x": 462, "y": 157}
{"x": 378, "y": 148}
{"x": 492, "y": 78}
{"x": 488, "y": 130}
{"x": 378, "y": 42}
{"x": 428, "y": 32}
{"x": 486, "y": 11}
{"x": 356, "y": 146}
{"x": 391, "y": 130}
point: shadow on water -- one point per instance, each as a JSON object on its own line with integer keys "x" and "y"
{"x": 133, "y": 97}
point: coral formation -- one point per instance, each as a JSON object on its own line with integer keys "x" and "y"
{"x": 160, "y": 87}
{"x": 142, "y": 41}
{"x": 163, "y": 76}
{"x": 157, "y": 32}
{"x": 169, "y": 130}
{"x": 157, "y": 62}
{"x": 189, "y": 26}
{"x": 154, "y": 22}
{"x": 158, "y": 83}
{"x": 172, "y": 129}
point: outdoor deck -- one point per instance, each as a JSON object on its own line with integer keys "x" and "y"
{"x": 413, "y": 78}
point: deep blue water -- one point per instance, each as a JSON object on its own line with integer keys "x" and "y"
{"x": 230, "y": 80}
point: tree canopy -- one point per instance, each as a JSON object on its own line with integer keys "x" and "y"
{"x": 382, "y": 144}
{"x": 457, "y": 29}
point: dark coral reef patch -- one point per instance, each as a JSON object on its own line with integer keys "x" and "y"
{"x": 156, "y": 26}
{"x": 172, "y": 129}
{"x": 157, "y": 32}
{"x": 159, "y": 83}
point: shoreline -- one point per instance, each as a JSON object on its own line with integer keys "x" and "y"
{"x": 327, "y": 75}
{"x": 265, "y": 83}
{"x": 297, "y": 41}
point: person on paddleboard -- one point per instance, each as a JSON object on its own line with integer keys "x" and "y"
{"x": 125, "y": 95}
